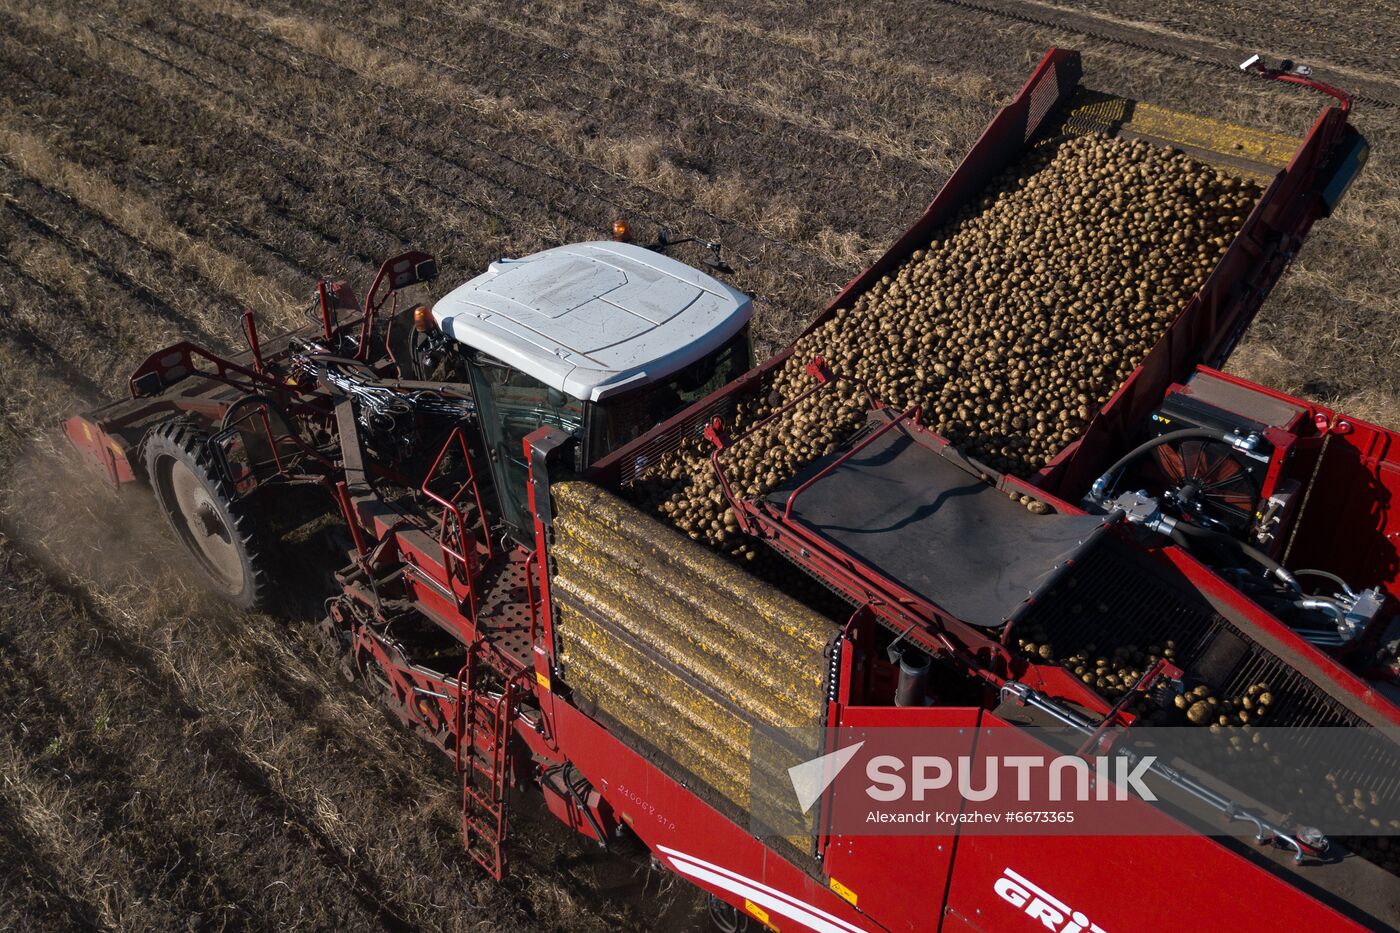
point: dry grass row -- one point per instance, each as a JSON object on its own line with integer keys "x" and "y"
{"x": 235, "y": 719}
{"x": 452, "y": 212}
{"x": 34, "y": 157}
{"x": 52, "y": 817}
{"x": 80, "y": 311}
{"x": 638, "y": 160}
{"x": 176, "y": 83}
{"x": 77, "y": 252}
{"x": 149, "y": 605}
{"x": 36, "y": 398}
{"x": 449, "y": 210}
{"x": 770, "y": 90}
{"x": 866, "y": 61}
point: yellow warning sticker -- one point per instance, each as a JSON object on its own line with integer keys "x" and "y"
{"x": 759, "y": 913}
{"x": 844, "y": 891}
{"x": 542, "y": 679}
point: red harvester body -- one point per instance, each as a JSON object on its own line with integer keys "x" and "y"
{"x": 459, "y": 624}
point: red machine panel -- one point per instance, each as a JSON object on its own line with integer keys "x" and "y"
{"x": 859, "y": 867}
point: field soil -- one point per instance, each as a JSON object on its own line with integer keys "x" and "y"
{"x": 166, "y": 764}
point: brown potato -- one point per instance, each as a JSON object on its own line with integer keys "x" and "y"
{"x": 1017, "y": 321}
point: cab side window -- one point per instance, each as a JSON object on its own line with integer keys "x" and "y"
{"x": 510, "y": 406}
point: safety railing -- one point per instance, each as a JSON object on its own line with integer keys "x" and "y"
{"x": 452, "y": 536}
{"x": 532, "y": 559}
{"x": 912, "y": 413}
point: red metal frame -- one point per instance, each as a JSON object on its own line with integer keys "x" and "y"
{"x": 374, "y": 304}
{"x": 464, "y": 557}
{"x": 250, "y": 330}
{"x": 910, "y": 414}
{"x": 176, "y": 364}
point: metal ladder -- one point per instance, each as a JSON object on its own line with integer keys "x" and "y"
{"x": 484, "y": 757}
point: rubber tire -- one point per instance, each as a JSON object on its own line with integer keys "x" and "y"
{"x": 247, "y": 582}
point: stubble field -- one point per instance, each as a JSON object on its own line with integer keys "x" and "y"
{"x": 168, "y": 765}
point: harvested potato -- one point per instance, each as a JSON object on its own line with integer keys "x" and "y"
{"x": 1019, "y": 319}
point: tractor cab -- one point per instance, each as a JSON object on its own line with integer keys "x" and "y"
{"x": 603, "y": 340}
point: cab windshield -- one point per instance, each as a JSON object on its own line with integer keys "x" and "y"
{"x": 615, "y": 421}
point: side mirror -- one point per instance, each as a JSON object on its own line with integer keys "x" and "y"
{"x": 427, "y": 270}
{"x": 412, "y": 269}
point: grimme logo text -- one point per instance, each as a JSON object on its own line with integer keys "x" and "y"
{"x": 1038, "y": 904}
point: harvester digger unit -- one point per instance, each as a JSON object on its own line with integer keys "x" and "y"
{"x": 508, "y": 597}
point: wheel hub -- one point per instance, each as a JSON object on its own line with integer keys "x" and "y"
{"x": 209, "y": 523}
{"x": 204, "y": 527}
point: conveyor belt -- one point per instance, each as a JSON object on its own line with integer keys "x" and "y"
{"x": 918, "y": 517}
{"x": 1114, "y": 596}
{"x": 1244, "y": 151}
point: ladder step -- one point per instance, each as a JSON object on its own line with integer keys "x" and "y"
{"x": 484, "y": 760}
{"x": 482, "y": 827}
{"x": 488, "y": 804}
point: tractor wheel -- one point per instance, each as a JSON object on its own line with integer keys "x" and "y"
{"x": 206, "y": 515}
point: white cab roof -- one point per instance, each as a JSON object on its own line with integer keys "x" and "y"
{"x": 593, "y": 319}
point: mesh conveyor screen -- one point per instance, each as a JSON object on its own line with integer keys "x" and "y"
{"x": 1115, "y": 598}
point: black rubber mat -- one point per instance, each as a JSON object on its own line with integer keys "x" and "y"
{"x": 924, "y": 521}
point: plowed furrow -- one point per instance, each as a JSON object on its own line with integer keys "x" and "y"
{"x": 183, "y": 166}
{"x": 87, "y": 253}
{"x": 135, "y": 826}
{"x": 592, "y": 116}
{"x": 215, "y": 754}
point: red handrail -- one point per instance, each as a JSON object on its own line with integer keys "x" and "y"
{"x": 532, "y": 558}
{"x": 250, "y": 330}
{"x": 449, "y": 507}
{"x": 1300, "y": 76}
{"x": 342, "y": 496}
{"x": 187, "y": 352}
{"x": 819, "y": 371}
{"x": 461, "y": 712}
{"x": 404, "y": 263}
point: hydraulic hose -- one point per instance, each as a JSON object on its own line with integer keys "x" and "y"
{"x": 1326, "y": 575}
{"x": 1184, "y": 534}
{"x": 1328, "y": 607}
{"x": 1185, "y": 434}
{"x": 333, "y": 360}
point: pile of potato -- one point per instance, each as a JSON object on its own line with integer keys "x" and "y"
{"x": 1112, "y": 674}
{"x": 1203, "y": 708}
{"x": 1020, "y": 318}
{"x": 1241, "y": 750}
